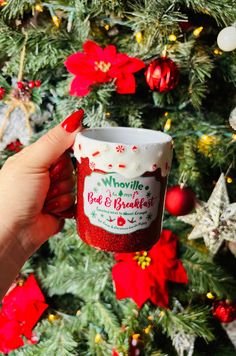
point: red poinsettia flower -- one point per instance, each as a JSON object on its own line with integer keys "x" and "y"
{"x": 96, "y": 65}
{"x": 10, "y": 332}
{"x": 143, "y": 275}
{"x": 21, "y": 309}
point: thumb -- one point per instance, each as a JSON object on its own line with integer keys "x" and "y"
{"x": 56, "y": 141}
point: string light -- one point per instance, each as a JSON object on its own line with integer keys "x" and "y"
{"x": 147, "y": 329}
{"x": 39, "y": 7}
{"x": 205, "y": 142}
{"x": 98, "y": 339}
{"x": 217, "y": 52}
{"x": 229, "y": 179}
{"x": 210, "y": 295}
{"x": 139, "y": 37}
{"x": 166, "y": 113}
{"x": 3, "y": 3}
{"x": 167, "y": 125}
{"x": 197, "y": 31}
{"x": 107, "y": 114}
{"x": 78, "y": 312}
{"x": 56, "y": 20}
{"x": 161, "y": 314}
{"x": 234, "y": 137}
{"x": 53, "y": 317}
{"x": 150, "y": 317}
{"x": 172, "y": 38}
{"x": 20, "y": 282}
{"x": 107, "y": 27}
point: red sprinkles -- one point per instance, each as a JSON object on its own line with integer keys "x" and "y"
{"x": 110, "y": 166}
{"x": 95, "y": 153}
{"x": 122, "y": 166}
{"x": 134, "y": 148}
{"x": 79, "y": 146}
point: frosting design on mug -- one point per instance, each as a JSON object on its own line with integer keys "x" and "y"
{"x": 130, "y": 161}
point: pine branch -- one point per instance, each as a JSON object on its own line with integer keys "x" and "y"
{"x": 223, "y": 12}
{"x": 55, "y": 339}
{"x": 205, "y": 276}
{"x": 190, "y": 320}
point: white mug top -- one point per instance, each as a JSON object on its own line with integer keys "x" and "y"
{"x": 128, "y": 151}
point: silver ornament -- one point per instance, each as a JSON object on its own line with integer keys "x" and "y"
{"x": 232, "y": 119}
{"x": 214, "y": 220}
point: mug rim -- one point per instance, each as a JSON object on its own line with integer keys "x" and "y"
{"x": 160, "y": 137}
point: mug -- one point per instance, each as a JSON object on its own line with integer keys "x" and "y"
{"x": 122, "y": 178}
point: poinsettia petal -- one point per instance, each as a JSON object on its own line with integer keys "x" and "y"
{"x": 177, "y": 274}
{"x": 128, "y": 64}
{"x": 93, "y": 50}
{"x": 32, "y": 315}
{"x": 159, "y": 295}
{"x": 131, "y": 281}
{"x": 80, "y": 87}
{"x": 110, "y": 54}
{"x": 75, "y": 62}
{"x": 124, "y": 256}
{"x": 25, "y": 304}
{"x": 10, "y": 338}
{"x": 126, "y": 84}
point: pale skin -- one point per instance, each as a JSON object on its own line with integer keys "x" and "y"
{"x": 36, "y": 187}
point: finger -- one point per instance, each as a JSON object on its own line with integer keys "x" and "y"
{"x": 63, "y": 163}
{"x": 56, "y": 141}
{"x": 61, "y": 188}
{"x": 59, "y": 204}
{"x": 62, "y": 175}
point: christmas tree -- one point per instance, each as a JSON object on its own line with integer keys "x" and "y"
{"x": 185, "y": 87}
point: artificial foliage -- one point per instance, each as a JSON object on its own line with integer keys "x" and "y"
{"x": 37, "y": 39}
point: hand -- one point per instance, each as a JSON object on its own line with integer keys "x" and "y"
{"x": 36, "y": 184}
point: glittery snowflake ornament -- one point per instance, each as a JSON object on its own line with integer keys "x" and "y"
{"x": 214, "y": 220}
{"x": 183, "y": 343}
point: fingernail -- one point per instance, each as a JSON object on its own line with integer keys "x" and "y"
{"x": 50, "y": 206}
{"x": 69, "y": 213}
{"x": 53, "y": 191}
{"x": 57, "y": 169}
{"x": 73, "y": 122}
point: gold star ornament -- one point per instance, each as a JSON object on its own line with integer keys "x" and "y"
{"x": 214, "y": 220}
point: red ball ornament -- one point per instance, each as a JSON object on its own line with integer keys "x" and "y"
{"x": 2, "y": 92}
{"x": 180, "y": 201}
{"x": 31, "y": 84}
{"x": 162, "y": 74}
{"x": 37, "y": 83}
{"x": 20, "y": 85}
{"x": 224, "y": 311}
{"x": 15, "y": 146}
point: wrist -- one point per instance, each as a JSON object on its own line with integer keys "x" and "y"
{"x": 12, "y": 257}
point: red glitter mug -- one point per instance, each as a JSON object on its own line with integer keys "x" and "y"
{"x": 122, "y": 177}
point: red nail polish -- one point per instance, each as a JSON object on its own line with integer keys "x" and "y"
{"x": 54, "y": 171}
{"x": 53, "y": 191}
{"x": 72, "y": 122}
{"x": 50, "y": 206}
